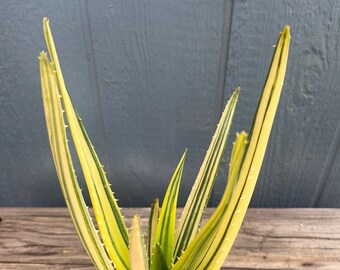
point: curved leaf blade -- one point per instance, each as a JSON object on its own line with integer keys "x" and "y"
{"x": 65, "y": 169}
{"x": 138, "y": 258}
{"x": 212, "y": 255}
{"x": 153, "y": 220}
{"x": 191, "y": 216}
{"x": 165, "y": 230}
{"x": 197, "y": 249}
{"x": 109, "y": 219}
{"x": 158, "y": 259}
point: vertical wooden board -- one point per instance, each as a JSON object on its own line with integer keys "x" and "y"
{"x": 309, "y": 108}
{"x": 157, "y": 64}
{"x": 327, "y": 194}
{"x": 330, "y": 192}
{"x": 28, "y": 177}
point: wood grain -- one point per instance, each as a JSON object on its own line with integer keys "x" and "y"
{"x": 44, "y": 238}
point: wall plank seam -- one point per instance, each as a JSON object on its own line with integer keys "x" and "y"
{"x": 94, "y": 81}
{"x": 327, "y": 168}
{"x": 222, "y": 76}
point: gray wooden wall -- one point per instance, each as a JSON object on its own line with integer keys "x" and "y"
{"x": 149, "y": 79}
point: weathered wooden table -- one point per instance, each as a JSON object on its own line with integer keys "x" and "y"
{"x": 44, "y": 238}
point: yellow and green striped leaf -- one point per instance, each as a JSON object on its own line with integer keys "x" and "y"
{"x": 236, "y": 159}
{"x": 201, "y": 243}
{"x": 109, "y": 219}
{"x": 165, "y": 231}
{"x": 213, "y": 243}
{"x": 64, "y": 166}
{"x": 191, "y": 216}
{"x": 138, "y": 257}
{"x": 158, "y": 260}
{"x": 153, "y": 220}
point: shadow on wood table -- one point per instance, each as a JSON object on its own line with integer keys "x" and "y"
{"x": 44, "y": 238}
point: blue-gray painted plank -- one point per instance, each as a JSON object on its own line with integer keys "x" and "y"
{"x": 156, "y": 75}
{"x": 327, "y": 194}
{"x": 28, "y": 176}
{"x": 158, "y": 78}
{"x": 308, "y": 112}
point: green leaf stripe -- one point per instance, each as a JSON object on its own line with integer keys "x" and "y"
{"x": 193, "y": 211}
{"x": 64, "y": 166}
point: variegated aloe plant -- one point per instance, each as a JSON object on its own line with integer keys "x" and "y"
{"x": 178, "y": 246}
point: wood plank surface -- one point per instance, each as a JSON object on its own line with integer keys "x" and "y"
{"x": 44, "y": 238}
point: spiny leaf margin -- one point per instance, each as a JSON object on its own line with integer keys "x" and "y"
{"x": 64, "y": 166}
{"x": 192, "y": 214}
{"x": 109, "y": 219}
{"x": 213, "y": 254}
{"x": 165, "y": 231}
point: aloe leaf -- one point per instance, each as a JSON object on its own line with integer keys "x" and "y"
{"x": 197, "y": 249}
{"x": 202, "y": 254}
{"x": 165, "y": 230}
{"x": 138, "y": 258}
{"x": 236, "y": 159}
{"x": 109, "y": 219}
{"x": 64, "y": 167}
{"x": 153, "y": 220}
{"x": 191, "y": 216}
{"x": 158, "y": 260}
